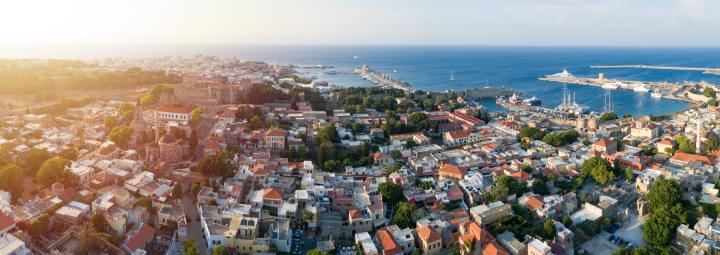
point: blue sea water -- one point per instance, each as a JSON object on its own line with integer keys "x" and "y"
{"x": 428, "y": 68}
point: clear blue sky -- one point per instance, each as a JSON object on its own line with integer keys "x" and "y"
{"x": 376, "y": 22}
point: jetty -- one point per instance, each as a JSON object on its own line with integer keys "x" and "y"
{"x": 715, "y": 71}
{"x": 383, "y": 79}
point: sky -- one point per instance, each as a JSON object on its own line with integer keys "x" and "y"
{"x": 677, "y": 23}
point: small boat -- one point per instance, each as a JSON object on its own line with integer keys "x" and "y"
{"x": 331, "y": 72}
{"x": 641, "y": 89}
{"x": 656, "y": 94}
{"x": 355, "y": 57}
{"x": 452, "y": 76}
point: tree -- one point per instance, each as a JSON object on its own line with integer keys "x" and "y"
{"x": 403, "y": 216}
{"x": 307, "y": 216}
{"x": 220, "y": 250}
{"x": 33, "y": 159}
{"x": 11, "y": 180}
{"x": 712, "y": 143}
{"x": 177, "y": 192}
{"x": 218, "y": 164}
{"x": 709, "y": 92}
{"x": 560, "y": 138}
{"x": 663, "y": 192}
{"x": 608, "y": 116}
{"x": 69, "y": 154}
{"x": 121, "y": 135}
{"x": 532, "y": 133}
{"x": 420, "y": 120}
{"x": 599, "y": 169}
{"x": 684, "y": 144}
{"x": 391, "y": 193}
{"x": 89, "y": 239}
{"x": 196, "y": 115}
{"x": 190, "y": 248}
{"x": 659, "y": 230}
{"x": 629, "y": 175}
{"x": 316, "y": 251}
{"x": 394, "y": 167}
{"x": 110, "y": 122}
{"x": 548, "y": 229}
{"x": 539, "y": 187}
{"x": 54, "y": 170}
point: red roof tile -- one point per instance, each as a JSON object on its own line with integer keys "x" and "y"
{"x": 141, "y": 238}
{"x": 428, "y": 234}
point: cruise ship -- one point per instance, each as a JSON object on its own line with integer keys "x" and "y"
{"x": 641, "y": 88}
{"x": 564, "y": 74}
{"x": 610, "y": 85}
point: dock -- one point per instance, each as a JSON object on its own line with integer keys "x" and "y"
{"x": 715, "y": 71}
{"x": 383, "y": 79}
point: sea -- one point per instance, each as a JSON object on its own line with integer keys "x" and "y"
{"x": 430, "y": 68}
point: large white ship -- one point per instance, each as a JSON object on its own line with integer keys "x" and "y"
{"x": 564, "y": 74}
{"x": 641, "y": 88}
{"x": 656, "y": 94}
{"x": 610, "y": 85}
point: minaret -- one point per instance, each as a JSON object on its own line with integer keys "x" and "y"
{"x": 698, "y": 145}
{"x": 157, "y": 129}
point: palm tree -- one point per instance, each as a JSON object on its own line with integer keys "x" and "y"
{"x": 89, "y": 238}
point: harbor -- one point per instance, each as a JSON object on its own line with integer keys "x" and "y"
{"x": 715, "y": 71}
{"x": 673, "y": 91}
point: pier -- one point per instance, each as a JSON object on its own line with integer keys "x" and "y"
{"x": 715, "y": 71}
{"x": 383, "y": 79}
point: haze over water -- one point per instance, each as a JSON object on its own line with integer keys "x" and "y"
{"x": 428, "y": 68}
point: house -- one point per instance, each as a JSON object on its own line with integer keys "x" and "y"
{"x": 366, "y": 244}
{"x": 175, "y": 112}
{"x": 275, "y": 139}
{"x": 451, "y": 172}
{"x": 682, "y": 158}
{"x": 537, "y": 247}
{"x": 460, "y": 137}
{"x": 387, "y": 243}
{"x": 664, "y": 146}
{"x": 139, "y": 239}
{"x": 272, "y": 197}
{"x": 429, "y": 240}
{"x": 487, "y": 214}
{"x": 604, "y": 146}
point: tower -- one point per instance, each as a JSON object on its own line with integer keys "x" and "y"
{"x": 698, "y": 145}
{"x": 138, "y": 125}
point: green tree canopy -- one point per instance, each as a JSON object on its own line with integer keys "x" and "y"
{"x": 403, "y": 216}
{"x": 599, "y": 169}
{"x": 121, "y": 135}
{"x": 11, "y": 180}
{"x": 391, "y": 193}
{"x": 54, "y": 170}
{"x": 33, "y": 159}
{"x": 219, "y": 164}
{"x": 532, "y": 132}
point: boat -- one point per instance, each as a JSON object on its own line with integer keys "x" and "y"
{"x": 331, "y": 72}
{"x": 452, "y": 76}
{"x": 355, "y": 57}
{"x": 564, "y": 74}
{"x": 611, "y": 85}
{"x": 641, "y": 88}
{"x": 656, "y": 94}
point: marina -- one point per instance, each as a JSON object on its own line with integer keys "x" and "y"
{"x": 658, "y": 89}
{"x": 715, "y": 71}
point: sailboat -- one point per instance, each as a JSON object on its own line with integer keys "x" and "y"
{"x": 452, "y": 76}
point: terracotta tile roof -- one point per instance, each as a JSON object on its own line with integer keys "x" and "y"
{"x": 388, "y": 243}
{"x": 6, "y": 221}
{"x": 459, "y": 134}
{"x": 177, "y": 108}
{"x": 428, "y": 234}
{"x": 520, "y": 175}
{"x": 141, "y": 238}
{"x": 686, "y": 157}
{"x": 276, "y": 132}
{"x": 354, "y": 214}
{"x": 451, "y": 169}
{"x": 534, "y": 203}
{"x": 273, "y": 194}
{"x": 493, "y": 248}
{"x": 212, "y": 145}
{"x": 604, "y": 142}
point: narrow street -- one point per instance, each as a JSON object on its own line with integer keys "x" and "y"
{"x": 194, "y": 229}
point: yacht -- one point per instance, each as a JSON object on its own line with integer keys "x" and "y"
{"x": 611, "y": 85}
{"x": 656, "y": 94}
{"x": 641, "y": 88}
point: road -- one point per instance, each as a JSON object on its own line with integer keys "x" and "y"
{"x": 194, "y": 229}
